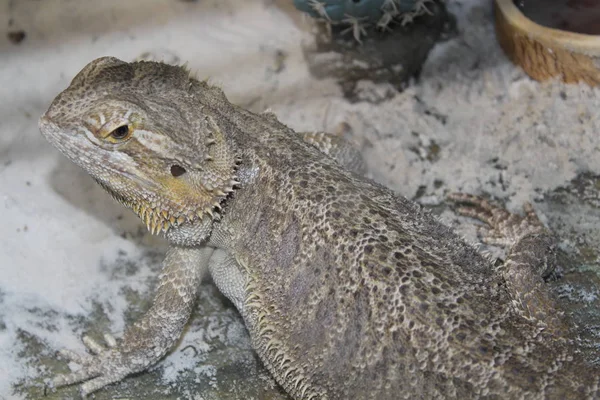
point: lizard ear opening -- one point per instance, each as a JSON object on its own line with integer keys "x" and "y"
{"x": 177, "y": 170}
{"x": 192, "y": 184}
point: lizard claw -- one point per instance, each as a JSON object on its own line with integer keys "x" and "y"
{"x": 105, "y": 366}
{"x": 503, "y": 228}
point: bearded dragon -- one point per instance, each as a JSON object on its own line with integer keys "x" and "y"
{"x": 348, "y": 290}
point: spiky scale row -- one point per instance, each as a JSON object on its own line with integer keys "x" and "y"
{"x": 218, "y": 181}
{"x": 158, "y": 220}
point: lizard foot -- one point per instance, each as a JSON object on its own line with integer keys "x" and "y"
{"x": 104, "y": 366}
{"x": 503, "y": 227}
{"x": 530, "y": 260}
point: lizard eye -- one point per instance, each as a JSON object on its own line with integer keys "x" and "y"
{"x": 120, "y": 133}
{"x": 177, "y": 170}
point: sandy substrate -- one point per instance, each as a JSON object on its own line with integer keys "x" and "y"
{"x": 72, "y": 260}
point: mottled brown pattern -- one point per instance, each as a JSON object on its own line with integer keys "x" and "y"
{"x": 348, "y": 290}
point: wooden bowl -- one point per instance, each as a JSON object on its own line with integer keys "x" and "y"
{"x": 545, "y": 52}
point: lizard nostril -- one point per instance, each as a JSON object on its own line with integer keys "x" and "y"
{"x": 177, "y": 170}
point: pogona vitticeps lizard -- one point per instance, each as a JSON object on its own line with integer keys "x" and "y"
{"x": 348, "y": 291}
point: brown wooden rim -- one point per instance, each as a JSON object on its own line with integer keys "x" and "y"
{"x": 578, "y": 42}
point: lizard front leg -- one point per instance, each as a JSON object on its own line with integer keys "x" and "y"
{"x": 153, "y": 335}
{"x": 531, "y": 258}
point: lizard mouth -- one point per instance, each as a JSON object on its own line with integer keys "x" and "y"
{"x": 51, "y": 130}
{"x": 44, "y": 122}
{"x": 67, "y": 141}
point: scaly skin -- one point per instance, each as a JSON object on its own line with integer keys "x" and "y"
{"x": 348, "y": 291}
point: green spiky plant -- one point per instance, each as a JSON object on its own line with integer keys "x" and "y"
{"x": 360, "y": 14}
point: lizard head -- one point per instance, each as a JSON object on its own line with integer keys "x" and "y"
{"x": 139, "y": 131}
